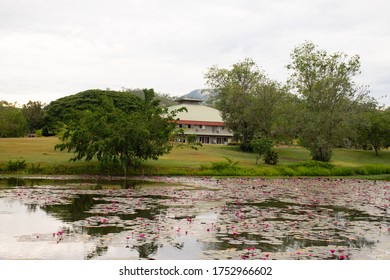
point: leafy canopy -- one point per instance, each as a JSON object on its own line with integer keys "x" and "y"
{"x": 123, "y": 131}
{"x": 249, "y": 101}
{"x": 35, "y": 115}
{"x": 328, "y": 96}
{"x": 374, "y": 129}
{"x": 261, "y": 146}
{"x": 12, "y": 121}
{"x": 70, "y": 108}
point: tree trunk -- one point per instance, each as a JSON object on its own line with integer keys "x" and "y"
{"x": 376, "y": 148}
{"x": 323, "y": 154}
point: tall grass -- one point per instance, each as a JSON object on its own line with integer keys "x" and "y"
{"x": 213, "y": 169}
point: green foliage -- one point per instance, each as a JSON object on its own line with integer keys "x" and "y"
{"x": 327, "y": 96}
{"x": 35, "y": 169}
{"x": 315, "y": 164}
{"x": 164, "y": 99}
{"x": 271, "y": 157}
{"x": 70, "y": 109}
{"x": 374, "y": 169}
{"x": 249, "y": 102}
{"x": 39, "y": 133}
{"x": 12, "y": 121}
{"x": 261, "y": 147}
{"x": 192, "y": 142}
{"x": 16, "y": 165}
{"x": 124, "y": 135}
{"x": 186, "y": 141}
{"x": 35, "y": 115}
{"x": 228, "y": 165}
{"x": 374, "y": 129}
{"x": 234, "y": 144}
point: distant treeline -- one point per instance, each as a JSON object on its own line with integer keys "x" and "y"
{"x": 34, "y": 119}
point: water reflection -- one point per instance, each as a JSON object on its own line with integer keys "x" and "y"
{"x": 74, "y": 211}
{"x": 94, "y": 184}
{"x": 147, "y": 250}
{"x": 217, "y": 219}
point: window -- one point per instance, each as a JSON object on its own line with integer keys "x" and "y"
{"x": 204, "y": 139}
{"x": 189, "y": 126}
{"x": 203, "y": 127}
{"x": 222, "y": 140}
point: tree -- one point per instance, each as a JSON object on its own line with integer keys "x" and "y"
{"x": 375, "y": 129}
{"x": 165, "y": 99}
{"x": 247, "y": 99}
{"x": 123, "y": 137}
{"x": 69, "y": 109}
{"x": 327, "y": 96}
{"x": 34, "y": 114}
{"x": 261, "y": 146}
{"x": 12, "y": 121}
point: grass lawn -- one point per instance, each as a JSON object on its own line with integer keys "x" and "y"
{"x": 287, "y": 155}
{"x": 32, "y": 150}
{"x": 41, "y": 151}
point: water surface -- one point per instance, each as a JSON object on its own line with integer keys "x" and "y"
{"x": 194, "y": 218}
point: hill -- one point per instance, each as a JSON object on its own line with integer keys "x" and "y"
{"x": 202, "y": 94}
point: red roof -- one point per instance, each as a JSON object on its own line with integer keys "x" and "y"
{"x": 201, "y": 123}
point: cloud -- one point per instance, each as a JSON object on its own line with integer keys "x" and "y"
{"x": 52, "y": 48}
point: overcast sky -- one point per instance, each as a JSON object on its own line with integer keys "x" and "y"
{"x": 54, "y": 48}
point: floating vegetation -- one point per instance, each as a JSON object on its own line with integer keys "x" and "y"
{"x": 231, "y": 218}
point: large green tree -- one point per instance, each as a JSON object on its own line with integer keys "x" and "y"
{"x": 328, "y": 95}
{"x": 248, "y": 100}
{"x": 12, "y": 121}
{"x": 116, "y": 134}
{"x": 374, "y": 129}
{"x": 35, "y": 115}
{"x": 66, "y": 110}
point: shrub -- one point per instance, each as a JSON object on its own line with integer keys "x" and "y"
{"x": 286, "y": 171}
{"x": 373, "y": 170}
{"x": 271, "y": 157}
{"x": 35, "y": 169}
{"x": 223, "y": 165}
{"x": 342, "y": 171}
{"x": 38, "y": 133}
{"x": 262, "y": 147}
{"x": 234, "y": 144}
{"x": 311, "y": 164}
{"x": 246, "y": 147}
{"x": 16, "y": 166}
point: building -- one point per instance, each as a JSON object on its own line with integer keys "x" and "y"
{"x": 203, "y": 121}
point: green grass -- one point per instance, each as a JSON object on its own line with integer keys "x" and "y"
{"x": 32, "y": 150}
{"x": 41, "y": 157}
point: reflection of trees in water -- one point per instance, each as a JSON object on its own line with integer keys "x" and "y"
{"x": 319, "y": 232}
{"x": 147, "y": 250}
{"x": 31, "y": 208}
{"x": 288, "y": 243}
{"x": 95, "y": 184}
{"x": 74, "y": 211}
{"x": 13, "y": 182}
{"x": 100, "y": 250}
{"x": 284, "y": 240}
{"x": 102, "y": 230}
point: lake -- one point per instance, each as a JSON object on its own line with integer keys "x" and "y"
{"x": 169, "y": 218}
